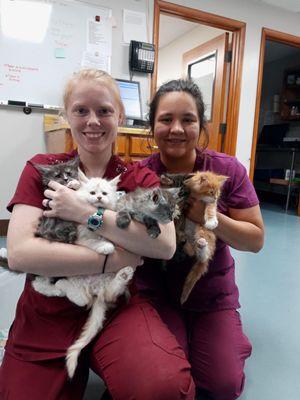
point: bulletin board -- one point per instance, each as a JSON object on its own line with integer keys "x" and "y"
{"x": 77, "y": 35}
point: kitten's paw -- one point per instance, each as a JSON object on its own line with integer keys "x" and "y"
{"x": 45, "y": 287}
{"x": 125, "y": 274}
{"x": 106, "y": 248}
{"x": 74, "y": 184}
{"x": 211, "y": 223}
{"x": 123, "y": 219}
{"x": 201, "y": 243}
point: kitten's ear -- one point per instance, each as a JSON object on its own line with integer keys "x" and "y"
{"x": 222, "y": 179}
{"x": 74, "y": 162}
{"x": 81, "y": 176}
{"x": 116, "y": 180}
{"x": 42, "y": 168}
{"x": 166, "y": 180}
{"x": 187, "y": 178}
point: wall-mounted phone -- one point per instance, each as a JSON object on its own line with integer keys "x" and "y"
{"x": 141, "y": 57}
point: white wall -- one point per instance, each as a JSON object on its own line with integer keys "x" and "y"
{"x": 170, "y": 56}
{"x": 22, "y": 135}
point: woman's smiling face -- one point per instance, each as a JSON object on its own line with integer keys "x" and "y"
{"x": 93, "y": 115}
{"x": 176, "y": 125}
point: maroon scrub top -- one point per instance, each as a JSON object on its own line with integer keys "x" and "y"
{"x": 217, "y": 289}
{"x": 44, "y": 327}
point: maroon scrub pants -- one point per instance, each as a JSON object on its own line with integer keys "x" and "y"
{"x": 140, "y": 359}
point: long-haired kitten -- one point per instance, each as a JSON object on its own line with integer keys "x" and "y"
{"x": 197, "y": 239}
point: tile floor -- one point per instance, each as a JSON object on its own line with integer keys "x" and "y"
{"x": 269, "y": 285}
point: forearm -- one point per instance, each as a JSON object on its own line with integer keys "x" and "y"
{"x": 135, "y": 238}
{"x": 41, "y": 257}
{"x": 240, "y": 235}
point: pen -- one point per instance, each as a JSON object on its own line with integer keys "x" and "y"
{"x": 35, "y": 105}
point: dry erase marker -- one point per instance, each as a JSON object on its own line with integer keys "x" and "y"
{"x": 16, "y": 103}
{"x": 35, "y": 105}
{"x": 3, "y": 103}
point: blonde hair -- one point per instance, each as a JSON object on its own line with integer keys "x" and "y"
{"x": 97, "y": 76}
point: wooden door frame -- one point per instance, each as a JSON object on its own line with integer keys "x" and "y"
{"x": 276, "y": 36}
{"x": 221, "y": 44}
{"x": 238, "y": 39}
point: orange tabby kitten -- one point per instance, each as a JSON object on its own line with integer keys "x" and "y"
{"x": 198, "y": 238}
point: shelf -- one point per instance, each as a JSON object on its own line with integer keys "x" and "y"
{"x": 284, "y": 182}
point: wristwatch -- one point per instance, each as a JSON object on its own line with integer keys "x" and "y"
{"x": 95, "y": 221}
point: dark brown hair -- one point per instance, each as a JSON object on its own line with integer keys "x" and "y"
{"x": 181, "y": 85}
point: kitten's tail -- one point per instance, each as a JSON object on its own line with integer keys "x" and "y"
{"x": 198, "y": 269}
{"x": 4, "y": 262}
{"x": 3, "y": 258}
{"x": 92, "y": 326}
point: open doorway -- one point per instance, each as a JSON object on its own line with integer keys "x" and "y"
{"x": 276, "y": 146}
{"x": 189, "y": 30}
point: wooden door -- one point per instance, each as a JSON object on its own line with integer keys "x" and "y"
{"x": 206, "y": 64}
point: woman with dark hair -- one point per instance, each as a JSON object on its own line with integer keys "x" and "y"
{"x": 208, "y": 325}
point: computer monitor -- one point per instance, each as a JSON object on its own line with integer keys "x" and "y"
{"x": 131, "y": 98}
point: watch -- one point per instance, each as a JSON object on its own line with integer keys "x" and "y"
{"x": 95, "y": 221}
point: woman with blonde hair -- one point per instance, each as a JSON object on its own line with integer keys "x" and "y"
{"x": 127, "y": 353}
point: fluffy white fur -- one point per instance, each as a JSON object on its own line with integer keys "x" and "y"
{"x": 98, "y": 292}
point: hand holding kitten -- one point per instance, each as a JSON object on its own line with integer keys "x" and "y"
{"x": 65, "y": 204}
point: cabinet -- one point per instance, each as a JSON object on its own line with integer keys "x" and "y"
{"x": 134, "y": 143}
{"x": 290, "y": 97}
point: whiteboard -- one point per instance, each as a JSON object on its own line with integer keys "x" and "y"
{"x": 78, "y": 35}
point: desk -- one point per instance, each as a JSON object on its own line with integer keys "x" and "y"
{"x": 292, "y": 153}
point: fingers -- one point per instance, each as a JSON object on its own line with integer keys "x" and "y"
{"x": 54, "y": 185}
{"x": 49, "y": 194}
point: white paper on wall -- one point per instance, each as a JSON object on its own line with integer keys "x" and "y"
{"x": 134, "y": 26}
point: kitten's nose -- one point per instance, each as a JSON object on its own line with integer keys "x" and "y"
{"x": 99, "y": 198}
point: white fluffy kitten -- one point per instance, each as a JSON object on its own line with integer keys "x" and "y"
{"x": 98, "y": 292}
{"x": 100, "y": 193}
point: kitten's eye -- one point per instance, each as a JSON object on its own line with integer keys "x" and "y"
{"x": 92, "y": 192}
{"x": 155, "y": 198}
{"x": 56, "y": 174}
{"x": 68, "y": 172}
{"x": 104, "y": 193}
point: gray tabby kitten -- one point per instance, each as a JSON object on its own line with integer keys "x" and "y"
{"x": 53, "y": 229}
{"x": 56, "y": 229}
{"x": 148, "y": 206}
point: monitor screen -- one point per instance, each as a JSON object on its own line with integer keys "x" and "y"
{"x": 131, "y": 98}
